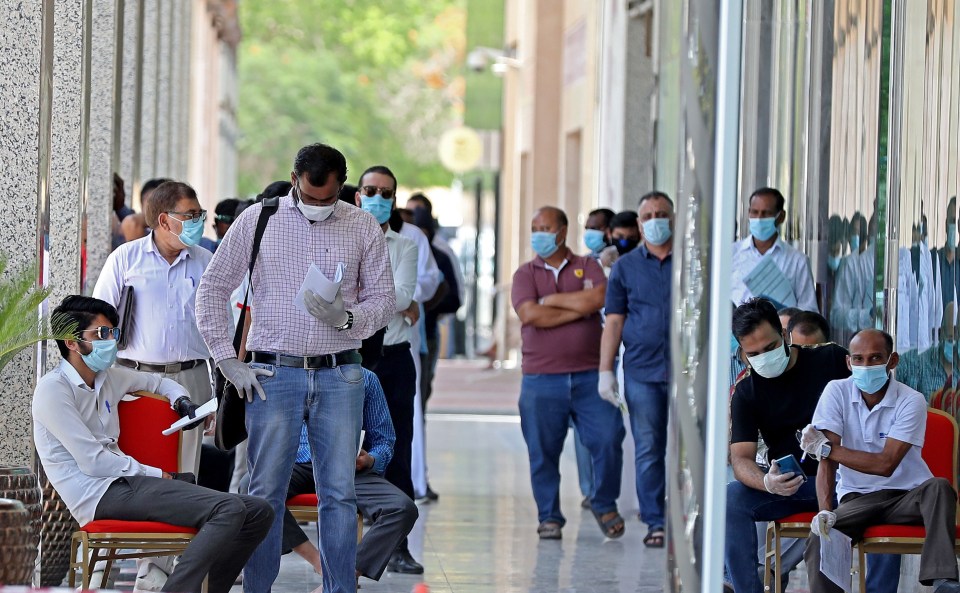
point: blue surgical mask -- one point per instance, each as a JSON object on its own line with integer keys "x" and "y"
{"x": 594, "y": 240}
{"x": 948, "y": 347}
{"x": 191, "y": 232}
{"x": 544, "y": 244}
{"x": 855, "y": 243}
{"x": 378, "y": 206}
{"x": 103, "y": 355}
{"x": 763, "y": 228}
{"x": 656, "y": 231}
{"x": 833, "y": 262}
{"x": 951, "y": 235}
{"x": 734, "y": 344}
{"x": 870, "y": 379}
{"x": 771, "y": 365}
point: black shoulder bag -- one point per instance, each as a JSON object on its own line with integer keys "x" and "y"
{"x": 231, "y": 427}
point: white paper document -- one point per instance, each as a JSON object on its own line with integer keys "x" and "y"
{"x": 767, "y": 280}
{"x": 202, "y": 412}
{"x": 836, "y": 559}
{"x": 322, "y": 286}
{"x": 363, "y": 433}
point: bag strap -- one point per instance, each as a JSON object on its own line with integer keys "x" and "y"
{"x": 270, "y": 206}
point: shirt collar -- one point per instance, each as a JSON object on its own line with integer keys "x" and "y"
{"x": 747, "y": 245}
{"x": 150, "y": 246}
{"x": 391, "y": 235}
{"x": 646, "y": 253}
{"x": 541, "y": 263}
{"x": 889, "y": 398}
{"x": 73, "y": 376}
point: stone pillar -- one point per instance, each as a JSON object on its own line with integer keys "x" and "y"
{"x": 104, "y": 63}
{"x": 21, "y": 47}
{"x": 148, "y": 91}
{"x": 165, "y": 53}
{"x": 128, "y": 136}
{"x": 182, "y": 123}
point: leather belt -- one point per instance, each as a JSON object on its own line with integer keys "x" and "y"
{"x": 401, "y": 347}
{"x": 324, "y": 361}
{"x": 170, "y": 367}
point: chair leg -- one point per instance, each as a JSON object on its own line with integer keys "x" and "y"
{"x": 767, "y": 551}
{"x": 862, "y": 568}
{"x": 359, "y": 527}
{"x": 777, "y": 568}
{"x": 74, "y": 548}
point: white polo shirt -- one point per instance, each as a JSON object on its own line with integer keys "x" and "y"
{"x": 900, "y": 415}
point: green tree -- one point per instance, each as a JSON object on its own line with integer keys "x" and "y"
{"x": 380, "y": 81}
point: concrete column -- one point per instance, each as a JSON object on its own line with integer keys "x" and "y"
{"x": 186, "y": 82}
{"x": 103, "y": 94}
{"x": 148, "y": 91}
{"x": 128, "y": 136}
{"x": 164, "y": 97}
{"x": 21, "y": 47}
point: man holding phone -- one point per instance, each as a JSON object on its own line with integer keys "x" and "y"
{"x": 775, "y": 399}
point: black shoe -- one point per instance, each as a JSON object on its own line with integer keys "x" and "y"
{"x": 404, "y": 563}
{"x": 431, "y": 495}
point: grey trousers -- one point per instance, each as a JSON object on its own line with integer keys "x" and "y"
{"x": 392, "y": 512}
{"x": 230, "y": 526}
{"x": 933, "y": 504}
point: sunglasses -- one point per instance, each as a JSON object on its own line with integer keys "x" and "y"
{"x": 104, "y": 332}
{"x": 372, "y": 190}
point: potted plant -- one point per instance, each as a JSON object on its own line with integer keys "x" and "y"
{"x": 21, "y": 326}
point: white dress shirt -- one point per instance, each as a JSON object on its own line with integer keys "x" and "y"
{"x": 919, "y": 301}
{"x": 403, "y": 261}
{"x": 900, "y": 415}
{"x": 75, "y": 429}
{"x": 163, "y": 325}
{"x": 428, "y": 274}
{"x": 853, "y": 298}
{"x": 792, "y": 263}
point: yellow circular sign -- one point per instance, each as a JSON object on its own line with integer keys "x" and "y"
{"x": 460, "y": 149}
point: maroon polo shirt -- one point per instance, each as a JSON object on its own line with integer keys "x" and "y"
{"x": 568, "y": 348}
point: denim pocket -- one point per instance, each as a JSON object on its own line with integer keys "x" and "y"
{"x": 263, "y": 379}
{"x": 350, "y": 373}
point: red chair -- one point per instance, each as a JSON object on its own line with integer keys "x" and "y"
{"x": 141, "y": 421}
{"x": 940, "y": 453}
{"x": 303, "y": 507}
{"x": 792, "y": 526}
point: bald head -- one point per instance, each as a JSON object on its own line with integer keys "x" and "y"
{"x": 551, "y": 215}
{"x": 871, "y": 347}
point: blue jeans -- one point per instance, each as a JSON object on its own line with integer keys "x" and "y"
{"x": 331, "y": 403}
{"x": 648, "y": 403}
{"x": 547, "y": 404}
{"x": 584, "y": 464}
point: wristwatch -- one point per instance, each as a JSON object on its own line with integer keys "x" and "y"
{"x": 346, "y": 324}
{"x": 825, "y": 450}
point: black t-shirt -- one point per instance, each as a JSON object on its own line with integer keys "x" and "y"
{"x": 779, "y": 407}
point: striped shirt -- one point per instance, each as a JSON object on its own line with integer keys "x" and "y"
{"x": 376, "y": 421}
{"x": 289, "y": 245}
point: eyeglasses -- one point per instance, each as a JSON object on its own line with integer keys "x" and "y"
{"x": 372, "y": 190}
{"x": 104, "y": 332}
{"x": 191, "y": 216}
{"x": 226, "y": 218}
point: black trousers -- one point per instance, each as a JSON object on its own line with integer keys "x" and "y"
{"x": 230, "y": 526}
{"x": 392, "y": 512}
{"x": 398, "y": 377}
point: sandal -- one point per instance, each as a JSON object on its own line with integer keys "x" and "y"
{"x": 609, "y": 527}
{"x": 549, "y": 530}
{"x": 654, "y": 538}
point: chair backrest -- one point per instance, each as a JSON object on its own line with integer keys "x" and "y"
{"x": 940, "y": 445}
{"x": 142, "y": 421}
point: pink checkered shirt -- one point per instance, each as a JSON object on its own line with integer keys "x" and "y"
{"x": 289, "y": 245}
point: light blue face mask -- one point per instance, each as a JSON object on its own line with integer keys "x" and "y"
{"x": 657, "y": 231}
{"x": 763, "y": 228}
{"x": 191, "y": 232}
{"x": 855, "y": 243}
{"x": 948, "y": 348}
{"x": 734, "y": 344}
{"x": 833, "y": 262}
{"x": 544, "y": 244}
{"x": 870, "y": 379}
{"x": 595, "y": 240}
{"x": 378, "y": 206}
{"x": 103, "y": 355}
{"x": 951, "y": 235}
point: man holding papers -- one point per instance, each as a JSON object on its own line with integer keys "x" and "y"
{"x": 76, "y": 428}
{"x": 867, "y": 432}
{"x": 305, "y": 366}
{"x": 765, "y": 265}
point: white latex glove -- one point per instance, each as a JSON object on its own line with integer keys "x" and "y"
{"x": 811, "y": 441}
{"x": 333, "y": 314}
{"x": 781, "y": 484}
{"x": 244, "y": 377}
{"x": 822, "y": 523}
{"x": 608, "y": 388}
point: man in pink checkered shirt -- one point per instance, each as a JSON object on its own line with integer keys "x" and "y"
{"x": 305, "y": 364}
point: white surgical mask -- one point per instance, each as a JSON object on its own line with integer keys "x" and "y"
{"x": 315, "y": 213}
{"x": 770, "y": 365}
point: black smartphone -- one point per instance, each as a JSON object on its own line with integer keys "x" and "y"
{"x": 789, "y": 463}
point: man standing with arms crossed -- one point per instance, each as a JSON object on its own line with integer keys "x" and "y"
{"x": 305, "y": 362}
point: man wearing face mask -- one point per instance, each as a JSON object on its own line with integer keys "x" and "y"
{"x": 558, "y": 296}
{"x": 867, "y": 432}
{"x": 76, "y": 429}
{"x": 596, "y": 233}
{"x": 624, "y": 237}
{"x": 638, "y": 314}
{"x": 767, "y": 214}
{"x": 776, "y": 399}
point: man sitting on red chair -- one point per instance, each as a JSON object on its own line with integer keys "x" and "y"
{"x": 76, "y": 429}
{"x": 867, "y": 432}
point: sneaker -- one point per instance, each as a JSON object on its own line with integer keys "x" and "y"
{"x": 152, "y": 581}
{"x": 431, "y": 495}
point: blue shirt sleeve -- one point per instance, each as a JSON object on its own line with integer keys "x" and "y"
{"x": 616, "y": 300}
{"x": 380, "y": 436}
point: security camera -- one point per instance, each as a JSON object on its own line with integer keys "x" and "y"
{"x": 477, "y": 60}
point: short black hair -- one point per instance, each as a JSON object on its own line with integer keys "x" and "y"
{"x": 887, "y": 338}
{"x": 276, "y": 189}
{"x": 652, "y": 195}
{"x": 419, "y": 197}
{"x": 808, "y": 323}
{"x": 606, "y": 213}
{"x": 164, "y": 199}
{"x": 152, "y": 184}
{"x": 789, "y": 311}
{"x": 769, "y": 191}
{"x": 381, "y": 169}
{"x": 751, "y": 314}
{"x": 318, "y": 162}
{"x": 79, "y": 311}
{"x": 624, "y": 220}
{"x": 226, "y": 210}
{"x": 348, "y": 194}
